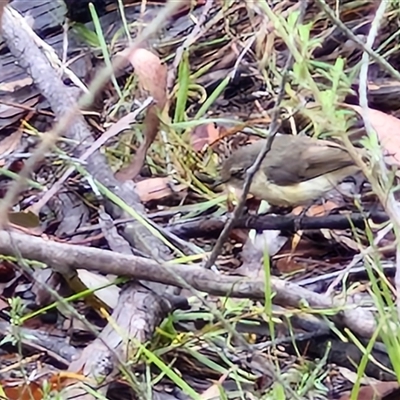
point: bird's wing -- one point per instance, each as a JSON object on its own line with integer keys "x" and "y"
{"x": 324, "y": 158}
{"x": 306, "y": 162}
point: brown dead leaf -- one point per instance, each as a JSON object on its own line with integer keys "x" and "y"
{"x": 204, "y": 135}
{"x": 316, "y": 210}
{"x": 213, "y": 392}
{"x": 288, "y": 265}
{"x": 293, "y": 258}
{"x": 377, "y": 391}
{"x": 16, "y": 166}
{"x": 387, "y": 128}
{"x": 156, "y": 189}
{"x": 152, "y": 77}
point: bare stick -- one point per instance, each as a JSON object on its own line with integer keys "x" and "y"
{"x": 388, "y": 201}
{"x": 376, "y": 57}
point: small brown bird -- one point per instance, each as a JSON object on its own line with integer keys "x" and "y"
{"x": 296, "y": 170}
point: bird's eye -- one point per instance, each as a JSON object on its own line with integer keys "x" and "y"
{"x": 238, "y": 172}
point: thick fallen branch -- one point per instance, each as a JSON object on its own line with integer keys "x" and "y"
{"x": 64, "y": 257}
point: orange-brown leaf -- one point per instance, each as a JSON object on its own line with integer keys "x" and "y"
{"x": 203, "y": 135}
{"x": 376, "y": 391}
{"x": 155, "y": 189}
{"x": 387, "y": 128}
{"x": 152, "y": 77}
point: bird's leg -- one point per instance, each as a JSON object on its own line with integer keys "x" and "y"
{"x": 282, "y": 210}
{"x": 279, "y": 210}
{"x": 299, "y": 218}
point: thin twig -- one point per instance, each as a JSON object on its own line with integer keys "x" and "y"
{"x": 389, "y": 202}
{"x": 375, "y": 56}
{"x": 387, "y": 199}
{"x": 196, "y": 33}
{"x": 357, "y": 258}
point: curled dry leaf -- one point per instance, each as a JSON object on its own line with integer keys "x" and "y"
{"x": 152, "y": 77}
{"x": 156, "y": 189}
{"x": 387, "y": 128}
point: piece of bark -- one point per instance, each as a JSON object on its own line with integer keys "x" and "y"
{"x": 96, "y": 361}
